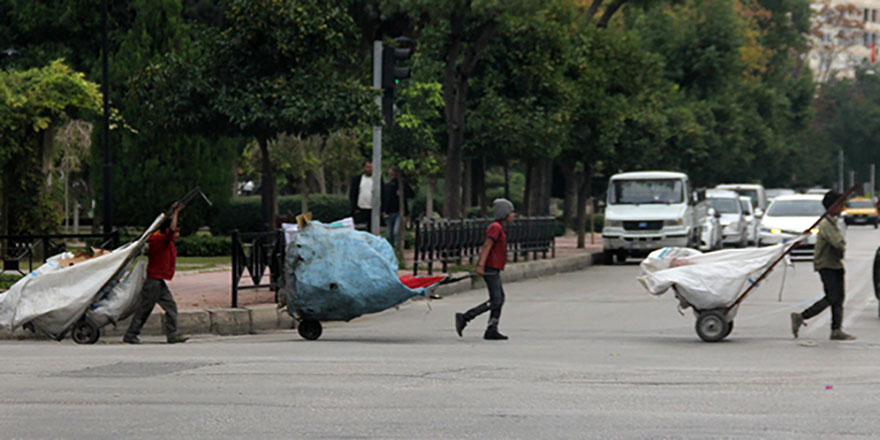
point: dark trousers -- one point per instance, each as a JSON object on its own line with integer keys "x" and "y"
{"x": 496, "y": 298}
{"x": 362, "y": 217}
{"x": 154, "y": 292}
{"x": 832, "y": 279}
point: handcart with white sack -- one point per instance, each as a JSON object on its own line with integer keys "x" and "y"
{"x": 58, "y": 299}
{"x": 714, "y": 284}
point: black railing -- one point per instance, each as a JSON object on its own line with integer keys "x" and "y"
{"x": 453, "y": 241}
{"x": 34, "y": 249}
{"x": 257, "y": 252}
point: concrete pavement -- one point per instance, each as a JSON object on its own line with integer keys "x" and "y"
{"x": 591, "y": 356}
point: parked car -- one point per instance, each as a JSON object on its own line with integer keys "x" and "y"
{"x": 773, "y": 193}
{"x": 860, "y": 210}
{"x": 649, "y": 210}
{"x": 750, "y": 218}
{"x": 733, "y": 222}
{"x": 753, "y": 191}
{"x": 789, "y": 216}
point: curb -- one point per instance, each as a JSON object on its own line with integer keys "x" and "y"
{"x": 266, "y": 317}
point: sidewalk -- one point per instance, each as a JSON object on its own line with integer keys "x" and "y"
{"x": 204, "y": 298}
{"x": 214, "y": 289}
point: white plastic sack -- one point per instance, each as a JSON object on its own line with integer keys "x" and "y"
{"x": 53, "y": 298}
{"x": 711, "y": 280}
{"x": 120, "y": 302}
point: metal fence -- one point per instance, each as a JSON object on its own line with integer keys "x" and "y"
{"x": 454, "y": 241}
{"x": 257, "y": 252}
{"x": 18, "y": 252}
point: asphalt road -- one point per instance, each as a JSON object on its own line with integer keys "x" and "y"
{"x": 591, "y": 355}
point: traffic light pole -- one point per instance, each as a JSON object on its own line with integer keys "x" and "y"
{"x": 377, "y": 142}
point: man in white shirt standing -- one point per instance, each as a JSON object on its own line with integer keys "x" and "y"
{"x": 360, "y": 195}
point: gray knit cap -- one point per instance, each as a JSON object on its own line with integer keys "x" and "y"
{"x": 501, "y": 208}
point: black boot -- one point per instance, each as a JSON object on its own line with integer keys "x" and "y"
{"x": 492, "y": 333}
{"x": 460, "y": 323}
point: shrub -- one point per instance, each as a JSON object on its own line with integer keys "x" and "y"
{"x": 203, "y": 246}
{"x": 245, "y": 213}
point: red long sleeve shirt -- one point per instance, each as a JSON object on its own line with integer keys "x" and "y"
{"x": 162, "y": 256}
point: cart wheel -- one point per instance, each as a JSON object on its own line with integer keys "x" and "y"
{"x": 84, "y": 332}
{"x": 729, "y": 329}
{"x": 309, "y": 329}
{"x": 712, "y": 327}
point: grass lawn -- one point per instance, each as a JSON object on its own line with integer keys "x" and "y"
{"x": 185, "y": 264}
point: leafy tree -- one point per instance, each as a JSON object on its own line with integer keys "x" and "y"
{"x": 32, "y": 103}
{"x": 273, "y": 67}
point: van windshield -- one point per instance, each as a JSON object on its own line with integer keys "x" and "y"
{"x": 641, "y": 191}
{"x": 796, "y": 208}
{"x": 725, "y": 206}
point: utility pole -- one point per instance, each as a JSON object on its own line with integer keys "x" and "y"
{"x": 840, "y": 172}
{"x": 852, "y": 178}
{"x": 377, "y": 142}
{"x": 105, "y": 90}
{"x": 873, "y": 182}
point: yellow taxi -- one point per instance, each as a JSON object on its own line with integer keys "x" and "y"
{"x": 860, "y": 210}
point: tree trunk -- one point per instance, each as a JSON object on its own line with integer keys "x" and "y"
{"x": 322, "y": 180}
{"x": 581, "y": 208}
{"x": 304, "y": 196}
{"x": 467, "y": 187}
{"x": 401, "y": 198}
{"x": 76, "y": 216}
{"x": 546, "y": 192}
{"x": 584, "y": 191}
{"x": 571, "y": 190}
{"x": 527, "y": 189}
{"x": 429, "y": 198}
{"x": 268, "y": 201}
{"x": 480, "y": 186}
{"x": 452, "y": 184}
{"x": 507, "y": 181}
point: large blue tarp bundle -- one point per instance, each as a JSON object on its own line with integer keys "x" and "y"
{"x": 338, "y": 274}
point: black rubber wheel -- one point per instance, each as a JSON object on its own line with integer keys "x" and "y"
{"x": 310, "y": 329}
{"x": 875, "y": 225}
{"x": 712, "y": 327}
{"x": 84, "y": 332}
{"x": 621, "y": 256}
{"x": 729, "y": 329}
{"x": 608, "y": 257}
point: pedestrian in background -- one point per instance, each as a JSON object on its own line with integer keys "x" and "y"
{"x": 391, "y": 204}
{"x": 360, "y": 196}
{"x": 162, "y": 256}
{"x": 493, "y": 256}
{"x": 828, "y": 261}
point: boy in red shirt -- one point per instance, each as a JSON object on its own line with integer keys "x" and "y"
{"x": 493, "y": 255}
{"x": 162, "y": 259}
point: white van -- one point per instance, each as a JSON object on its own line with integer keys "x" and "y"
{"x": 649, "y": 210}
{"x": 754, "y": 191}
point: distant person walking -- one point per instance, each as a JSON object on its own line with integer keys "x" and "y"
{"x": 391, "y": 204}
{"x": 828, "y": 261}
{"x": 360, "y": 196}
{"x": 493, "y": 256}
{"x": 162, "y": 261}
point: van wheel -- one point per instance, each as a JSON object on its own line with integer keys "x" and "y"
{"x": 621, "y": 256}
{"x": 608, "y": 257}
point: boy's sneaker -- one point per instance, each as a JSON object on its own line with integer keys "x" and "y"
{"x": 492, "y": 334}
{"x": 839, "y": 335}
{"x": 177, "y": 339}
{"x": 797, "y": 320}
{"x": 131, "y": 340}
{"x": 460, "y": 323}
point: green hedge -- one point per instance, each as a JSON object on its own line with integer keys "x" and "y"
{"x": 245, "y": 213}
{"x": 203, "y": 246}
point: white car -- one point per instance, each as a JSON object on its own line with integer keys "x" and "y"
{"x": 751, "y": 219}
{"x": 788, "y": 217}
{"x": 710, "y": 231}
{"x": 733, "y": 222}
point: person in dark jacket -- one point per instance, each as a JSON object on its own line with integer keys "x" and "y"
{"x": 391, "y": 205}
{"x": 493, "y": 256}
{"x": 360, "y": 196}
{"x": 162, "y": 256}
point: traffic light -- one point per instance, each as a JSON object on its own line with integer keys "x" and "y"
{"x": 392, "y": 74}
